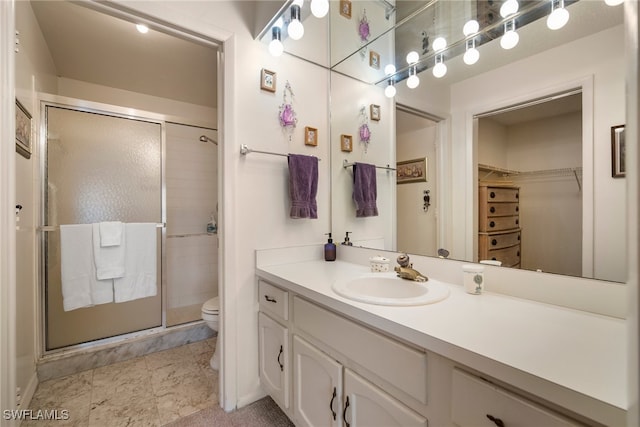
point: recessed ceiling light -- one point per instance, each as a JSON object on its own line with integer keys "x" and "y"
{"x": 142, "y": 28}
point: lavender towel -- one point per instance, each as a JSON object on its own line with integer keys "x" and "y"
{"x": 303, "y": 186}
{"x": 365, "y": 190}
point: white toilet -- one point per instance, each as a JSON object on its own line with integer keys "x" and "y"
{"x": 210, "y": 314}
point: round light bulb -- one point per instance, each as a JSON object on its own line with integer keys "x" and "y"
{"x": 439, "y": 44}
{"x": 558, "y": 18}
{"x": 295, "y": 29}
{"x": 471, "y": 27}
{"x": 389, "y": 69}
{"x": 319, "y": 8}
{"x": 412, "y": 57}
{"x": 509, "y": 7}
{"x": 390, "y": 91}
{"x": 276, "y": 47}
{"x": 439, "y": 70}
{"x": 298, "y": 3}
{"x": 143, "y": 29}
{"x": 471, "y": 56}
{"x": 613, "y": 2}
{"x": 509, "y": 40}
{"x": 413, "y": 81}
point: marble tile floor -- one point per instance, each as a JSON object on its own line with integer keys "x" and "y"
{"x": 153, "y": 390}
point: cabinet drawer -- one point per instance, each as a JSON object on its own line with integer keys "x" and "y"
{"x": 400, "y": 365}
{"x": 498, "y": 240}
{"x": 499, "y": 194}
{"x": 500, "y": 209}
{"x": 509, "y": 256}
{"x": 273, "y": 300}
{"x": 499, "y": 223}
{"x": 474, "y": 400}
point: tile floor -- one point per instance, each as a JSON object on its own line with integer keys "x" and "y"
{"x": 152, "y": 390}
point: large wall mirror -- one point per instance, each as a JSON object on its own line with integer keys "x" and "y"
{"x": 537, "y": 116}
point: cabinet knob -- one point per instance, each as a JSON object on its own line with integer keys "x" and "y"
{"x": 492, "y": 195}
{"x": 492, "y": 209}
{"x": 279, "y": 362}
{"x": 517, "y": 195}
{"x": 517, "y": 208}
{"x": 517, "y": 221}
{"x": 492, "y": 224}
{"x": 496, "y": 421}
{"x": 494, "y": 242}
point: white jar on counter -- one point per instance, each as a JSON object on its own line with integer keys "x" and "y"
{"x": 379, "y": 264}
{"x": 473, "y": 278}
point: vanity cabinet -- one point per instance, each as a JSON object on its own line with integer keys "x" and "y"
{"x": 274, "y": 359}
{"x": 499, "y": 224}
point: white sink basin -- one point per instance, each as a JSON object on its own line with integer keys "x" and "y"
{"x": 388, "y": 289}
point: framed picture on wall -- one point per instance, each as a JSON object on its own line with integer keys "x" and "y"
{"x": 345, "y": 8}
{"x": 374, "y": 59}
{"x": 374, "y": 112}
{"x": 268, "y": 80}
{"x": 617, "y": 151}
{"x": 411, "y": 171}
{"x": 310, "y": 136}
{"x": 23, "y": 131}
{"x": 346, "y": 143}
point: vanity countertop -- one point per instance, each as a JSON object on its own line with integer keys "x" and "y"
{"x": 572, "y": 358}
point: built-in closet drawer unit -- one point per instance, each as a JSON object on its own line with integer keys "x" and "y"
{"x": 476, "y": 402}
{"x": 402, "y": 366}
{"x": 273, "y": 300}
{"x": 499, "y": 224}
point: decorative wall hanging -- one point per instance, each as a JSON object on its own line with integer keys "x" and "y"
{"x": 364, "y": 131}
{"x": 267, "y": 80}
{"x": 411, "y": 171}
{"x": 374, "y": 110}
{"x": 617, "y": 152}
{"x": 23, "y": 131}
{"x": 374, "y": 59}
{"x": 346, "y": 143}
{"x": 345, "y": 8}
{"x": 310, "y": 136}
{"x": 287, "y": 115}
{"x": 363, "y": 27}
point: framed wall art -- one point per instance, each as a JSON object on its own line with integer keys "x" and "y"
{"x": 346, "y": 143}
{"x": 411, "y": 171}
{"x": 374, "y": 112}
{"x": 617, "y": 151}
{"x": 268, "y": 80}
{"x": 310, "y": 136}
{"x": 23, "y": 131}
{"x": 374, "y": 59}
{"x": 345, "y": 8}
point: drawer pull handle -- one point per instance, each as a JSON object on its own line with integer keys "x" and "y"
{"x": 517, "y": 221}
{"x": 492, "y": 209}
{"x": 494, "y": 259}
{"x": 496, "y": 421}
{"x": 279, "y": 362}
{"x": 517, "y": 208}
{"x": 494, "y": 242}
{"x": 492, "y": 195}
{"x": 270, "y": 299}
{"x": 344, "y": 413}
{"x": 492, "y": 224}
{"x": 331, "y": 404}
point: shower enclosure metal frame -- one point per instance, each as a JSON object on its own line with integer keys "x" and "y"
{"x": 48, "y": 100}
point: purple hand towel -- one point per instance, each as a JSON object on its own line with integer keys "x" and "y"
{"x": 303, "y": 186}
{"x": 365, "y": 190}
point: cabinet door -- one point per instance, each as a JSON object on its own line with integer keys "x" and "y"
{"x": 367, "y": 405}
{"x": 274, "y": 359}
{"x": 317, "y": 386}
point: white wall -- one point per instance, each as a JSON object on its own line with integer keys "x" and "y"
{"x": 492, "y": 144}
{"x": 524, "y": 78}
{"x": 417, "y": 229}
{"x": 35, "y": 72}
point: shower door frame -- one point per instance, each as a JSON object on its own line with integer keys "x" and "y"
{"x": 49, "y": 100}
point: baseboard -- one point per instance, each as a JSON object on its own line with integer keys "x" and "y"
{"x": 29, "y": 391}
{"x": 251, "y": 397}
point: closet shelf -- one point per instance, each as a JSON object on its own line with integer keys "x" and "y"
{"x": 575, "y": 171}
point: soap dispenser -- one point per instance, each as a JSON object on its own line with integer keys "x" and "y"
{"x": 329, "y": 249}
{"x": 347, "y": 242}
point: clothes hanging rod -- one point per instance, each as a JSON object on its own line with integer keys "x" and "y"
{"x": 244, "y": 150}
{"x": 57, "y": 227}
{"x": 345, "y": 165}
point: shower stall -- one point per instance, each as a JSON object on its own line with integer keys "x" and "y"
{"x": 101, "y": 163}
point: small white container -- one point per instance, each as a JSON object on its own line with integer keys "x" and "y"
{"x": 379, "y": 264}
{"x": 473, "y": 278}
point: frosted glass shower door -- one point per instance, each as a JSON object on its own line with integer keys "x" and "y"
{"x": 98, "y": 168}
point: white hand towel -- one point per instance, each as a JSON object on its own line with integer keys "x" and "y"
{"x": 140, "y": 279}
{"x": 80, "y": 287}
{"x": 111, "y": 233}
{"x": 109, "y": 260}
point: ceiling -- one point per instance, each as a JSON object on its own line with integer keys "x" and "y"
{"x": 91, "y": 46}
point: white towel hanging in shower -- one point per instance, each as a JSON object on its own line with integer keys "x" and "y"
{"x": 109, "y": 260}
{"x": 140, "y": 279}
{"x": 111, "y": 233}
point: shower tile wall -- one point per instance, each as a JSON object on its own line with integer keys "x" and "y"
{"x": 192, "y": 254}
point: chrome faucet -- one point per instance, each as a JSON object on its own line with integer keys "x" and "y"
{"x": 405, "y": 270}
